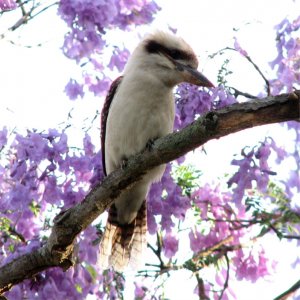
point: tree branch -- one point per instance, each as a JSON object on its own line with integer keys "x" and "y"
{"x": 285, "y": 295}
{"x": 68, "y": 224}
{"x": 227, "y": 277}
{"x": 201, "y": 288}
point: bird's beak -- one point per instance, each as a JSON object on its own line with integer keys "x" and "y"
{"x": 193, "y": 76}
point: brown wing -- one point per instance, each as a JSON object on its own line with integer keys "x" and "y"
{"x": 104, "y": 114}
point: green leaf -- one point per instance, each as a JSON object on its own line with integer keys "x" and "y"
{"x": 92, "y": 271}
{"x": 11, "y": 248}
{"x": 187, "y": 177}
{"x": 78, "y": 288}
{"x": 35, "y": 207}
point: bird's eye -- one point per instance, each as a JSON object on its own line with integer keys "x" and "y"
{"x": 175, "y": 54}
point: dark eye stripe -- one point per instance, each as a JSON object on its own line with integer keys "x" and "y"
{"x": 152, "y": 46}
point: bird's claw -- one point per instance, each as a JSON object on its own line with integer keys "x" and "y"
{"x": 150, "y": 144}
{"x": 293, "y": 96}
{"x": 124, "y": 163}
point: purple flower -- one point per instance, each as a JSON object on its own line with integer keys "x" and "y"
{"x": 166, "y": 221}
{"x": 88, "y": 145}
{"x": 238, "y": 48}
{"x": 293, "y": 184}
{"x": 18, "y": 197}
{"x": 196, "y": 241}
{"x": 142, "y": 15}
{"x": 18, "y": 170}
{"x": 97, "y": 175}
{"x": 280, "y": 152}
{"x": 119, "y": 59}
{"x": 252, "y": 167}
{"x": 221, "y": 98}
{"x": 33, "y": 146}
{"x": 170, "y": 245}
{"x": 151, "y": 223}
{"x": 190, "y": 101}
{"x": 3, "y": 137}
{"x": 27, "y": 227}
{"x": 52, "y": 191}
{"x": 8, "y": 5}
{"x": 172, "y": 204}
{"x": 71, "y": 195}
{"x": 100, "y": 87}
{"x": 139, "y": 291}
{"x": 61, "y": 146}
{"x": 74, "y": 89}
{"x": 250, "y": 267}
{"x": 87, "y": 251}
{"x": 15, "y": 293}
{"x": 287, "y": 61}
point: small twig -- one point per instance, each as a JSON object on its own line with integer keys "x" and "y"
{"x": 27, "y": 15}
{"x": 157, "y": 251}
{"x": 211, "y": 249}
{"x": 17, "y": 234}
{"x": 268, "y": 88}
{"x": 21, "y": 6}
{"x": 147, "y": 273}
{"x": 285, "y": 236}
{"x": 294, "y": 237}
{"x": 239, "y": 93}
{"x": 285, "y": 295}
{"x": 45, "y": 8}
{"x": 227, "y": 277}
{"x": 201, "y": 288}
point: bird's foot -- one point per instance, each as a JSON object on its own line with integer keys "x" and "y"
{"x": 150, "y": 143}
{"x": 124, "y": 163}
{"x": 294, "y": 96}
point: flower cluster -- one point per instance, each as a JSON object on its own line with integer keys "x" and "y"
{"x": 251, "y": 266}
{"x": 7, "y": 5}
{"x": 74, "y": 89}
{"x": 40, "y": 173}
{"x": 165, "y": 199}
{"x": 192, "y": 101}
{"x": 287, "y": 65}
{"x": 213, "y": 207}
{"x": 252, "y": 167}
{"x": 220, "y": 222}
{"x": 89, "y": 21}
{"x": 287, "y": 62}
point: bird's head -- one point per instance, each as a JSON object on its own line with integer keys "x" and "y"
{"x": 169, "y": 58}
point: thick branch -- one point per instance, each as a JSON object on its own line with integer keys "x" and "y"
{"x": 68, "y": 224}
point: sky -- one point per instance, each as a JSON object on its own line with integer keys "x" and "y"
{"x": 32, "y": 81}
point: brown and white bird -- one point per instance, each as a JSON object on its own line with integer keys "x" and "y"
{"x": 140, "y": 107}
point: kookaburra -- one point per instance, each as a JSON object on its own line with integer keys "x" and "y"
{"x": 139, "y": 108}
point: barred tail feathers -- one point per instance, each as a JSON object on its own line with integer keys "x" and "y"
{"x": 124, "y": 245}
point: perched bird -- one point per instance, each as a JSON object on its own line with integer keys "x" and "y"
{"x": 139, "y": 108}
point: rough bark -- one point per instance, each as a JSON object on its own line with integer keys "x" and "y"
{"x": 68, "y": 224}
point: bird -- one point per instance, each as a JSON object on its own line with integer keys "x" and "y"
{"x": 138, "y": 109}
